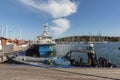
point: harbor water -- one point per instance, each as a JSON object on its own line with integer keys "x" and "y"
{"x": 109, "y": 50}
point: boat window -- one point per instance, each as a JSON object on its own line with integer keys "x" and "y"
{"x": 43, "y": 37}
{"x": 48, "y": 37}
{"x": 78, "y": 56}
{"x": 69, "y": 55}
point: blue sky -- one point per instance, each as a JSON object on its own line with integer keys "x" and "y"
{"x": 65, "y": 17}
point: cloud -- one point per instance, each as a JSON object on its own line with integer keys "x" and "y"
{"x": 60, "y": 26}
{"x": 55, "y": 8}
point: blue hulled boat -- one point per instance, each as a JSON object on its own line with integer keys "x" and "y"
{"x": 40, "y": 54}
{"x": 46, "y": 43}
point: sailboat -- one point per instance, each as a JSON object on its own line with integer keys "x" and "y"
{"x": 101, "y": 39}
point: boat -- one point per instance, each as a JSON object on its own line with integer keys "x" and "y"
{"x": 42, "y": 52}
{"x": 39, "y": 62}
{"x": 16, "y": 58}
{"x": 46, "y": 43}
{"x": 74, "y": 58}
{"x": 44, "y": 46}
{"x": 87, "y": 58}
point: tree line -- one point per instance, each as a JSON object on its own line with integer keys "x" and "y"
{"x": 88, "y": 38}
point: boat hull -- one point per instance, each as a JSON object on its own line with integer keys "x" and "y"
{"x": 45, "y": 50}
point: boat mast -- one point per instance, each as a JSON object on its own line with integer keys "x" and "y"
{"x": 1, "y": 30}
{"x": 6, "y": 31}
{"x": 20, "y": 34}
{"x": 46, "y": 27}
{"x": 90, "y": 37}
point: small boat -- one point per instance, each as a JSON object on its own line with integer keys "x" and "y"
{"x": 40, "y": 62}
{"x": 87, "y": 58}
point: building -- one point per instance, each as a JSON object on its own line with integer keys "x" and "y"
{"x": 3, "y": 41}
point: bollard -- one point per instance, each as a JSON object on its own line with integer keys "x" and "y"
{"x": 0, "y": 59}
{"x": 4, "y": 58}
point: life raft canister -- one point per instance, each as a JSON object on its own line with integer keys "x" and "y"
{"x": 51, "y": 62}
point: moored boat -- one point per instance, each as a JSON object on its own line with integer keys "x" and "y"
{"x": 77, "y": 57}
{"x": 46, "y": 43}
{"x": 87, "y": 58}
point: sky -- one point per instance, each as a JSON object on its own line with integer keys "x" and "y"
{"x": 26, "y": 18}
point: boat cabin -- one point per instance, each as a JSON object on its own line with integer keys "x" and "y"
{"x": 82, "y": 57}
{"x": 46, "y": 37}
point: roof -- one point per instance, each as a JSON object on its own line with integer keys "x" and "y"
{"x": 45, "y": 33}
{"x": 3, "y": 38}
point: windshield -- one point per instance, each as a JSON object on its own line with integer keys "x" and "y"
{"x": 79, "y": 56}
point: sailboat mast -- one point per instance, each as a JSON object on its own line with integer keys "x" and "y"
{"x": 20, "y": 35}
{"x": 6, "y": 31}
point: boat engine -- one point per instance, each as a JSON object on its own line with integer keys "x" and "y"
{"x": 103, "y": 62}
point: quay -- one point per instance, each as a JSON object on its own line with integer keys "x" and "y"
{"x": 24, "y": 72}
{"x": 8, "y": 50}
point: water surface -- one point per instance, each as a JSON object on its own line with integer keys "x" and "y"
{"x": 109, "y": 50}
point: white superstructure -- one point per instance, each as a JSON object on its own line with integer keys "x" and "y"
{"x": 46, "y": 37}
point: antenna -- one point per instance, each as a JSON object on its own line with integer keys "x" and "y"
{"x": 46, "y": 25}
{"x": 46, "y": 21}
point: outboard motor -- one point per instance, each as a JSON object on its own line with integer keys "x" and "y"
{"x": 119, "y": 48}
{"x": 105, "y": 63}
{"x": 91, "y": 59}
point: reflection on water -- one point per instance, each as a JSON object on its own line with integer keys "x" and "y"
{"x": 109, "y": 50}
